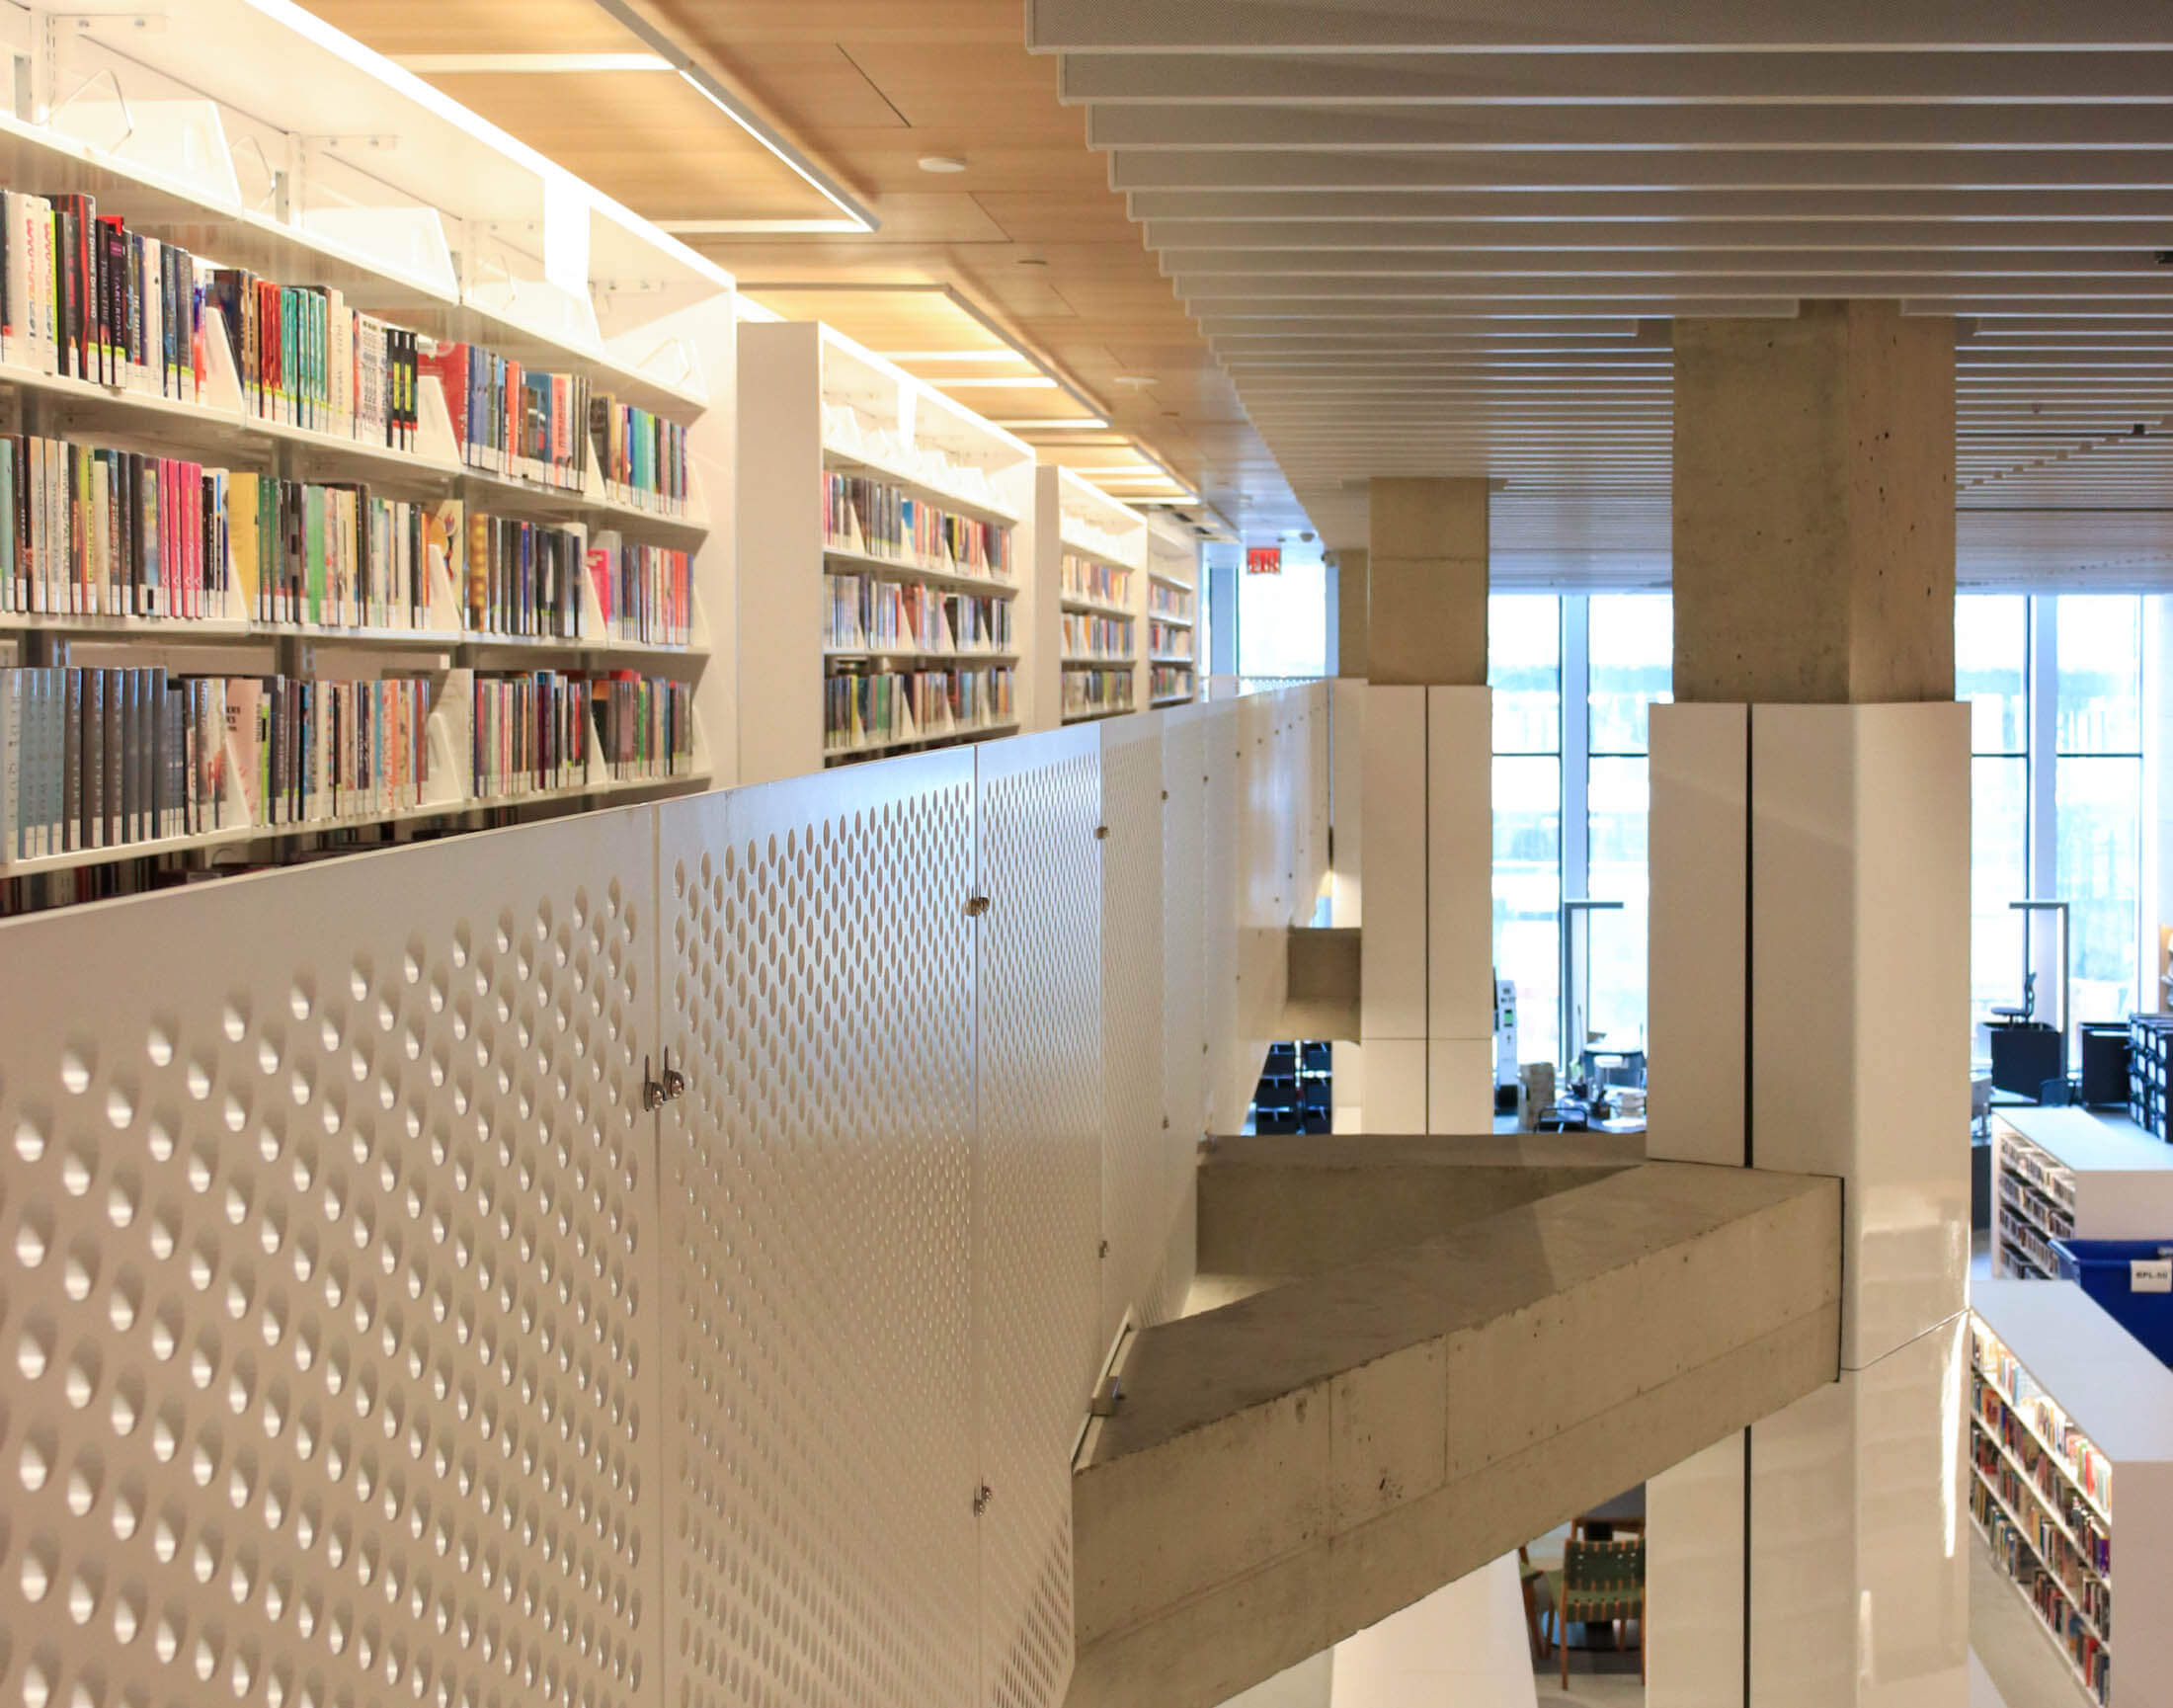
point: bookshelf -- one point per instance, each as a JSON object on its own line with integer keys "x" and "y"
{"x": 885, "y": 559}
{"x": 2063, "y": 1173}
{"x": 2068, "y": 1414}
{"x": 445, "y": 575}
{"x": 1091, "y": 562}
{"x": 1173, "y": 611}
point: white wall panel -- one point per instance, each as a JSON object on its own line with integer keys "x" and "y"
{"x": 1860, "y": 1012}
{"x": 1694, "y": 1577}
{"x": 1346, "y": 782}
{"x": 1037, "y": 808}
{"x": 1183, "y": 997}
{"x": 1139, "y": 1187}
{"x": 1393, "y": 978}
{"x": 818, "y": 1206}
{"x": 1859, "y": 1579}
{"x": 1698, "y": 943}
{"x": 1229, "y": 1085}
{"x": 331, "y": 1304}
{"x": 1459, "y": 853}
{"x": 1459, "y": 1086}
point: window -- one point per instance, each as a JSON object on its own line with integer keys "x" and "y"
{"x": 1631, "y": 642}
{"x": 1525, "y": 669}
{"x": 1282, "y": 619}
{"x": 2097, "y": 795}
{"x": 2055, "y": 692}
{"x": 1991, "y": 657}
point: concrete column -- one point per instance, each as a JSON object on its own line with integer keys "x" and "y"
{"x": 1809, "y": 988}
{"x": 1427, "y": 1014}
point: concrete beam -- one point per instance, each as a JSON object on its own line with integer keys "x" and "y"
{"x": 1273, "y": 1208}
{"x": 1320, "y": 1000}
{"x": 1290, "y": 1469}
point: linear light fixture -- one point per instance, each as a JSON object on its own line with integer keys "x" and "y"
{"x": 1051, "y": 423}
{"x": 527, "y": 64}
{"x": 1008, "y": 383}
{"x": 707, "y": 86}
{"x": 951, "y": 356}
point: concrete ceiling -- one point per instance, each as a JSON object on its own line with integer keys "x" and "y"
{"x": 1433, "y": 239}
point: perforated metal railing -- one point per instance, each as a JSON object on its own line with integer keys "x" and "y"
{"x": 364, "y": 1339}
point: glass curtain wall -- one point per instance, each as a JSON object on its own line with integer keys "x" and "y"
{"x": 1573, "y": 681}
{"x": 2097, "y": 794}
{"x": 1525, "y": 669}
{"x": 2054, "y": 685}
{"x": 1632, "y": 645}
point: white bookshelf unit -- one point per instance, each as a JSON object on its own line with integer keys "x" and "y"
{"x": 1173, "y": 611}
{"x": 216, "y": 134}
{"x": 2068, "y": 1412}
{"x": 2062, "y": 1173}
{"x": 1091, "y": 554}
{"x": 886, "y": 558}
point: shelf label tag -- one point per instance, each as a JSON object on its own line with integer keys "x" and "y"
{"x": 2150, "y": 1275}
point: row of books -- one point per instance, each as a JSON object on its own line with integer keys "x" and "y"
{"x": 1162, "y": 599}
{"x": 1097, "y": 639}
{"x": 513, "y": 421}
{"x": 646, "y": 592}
{"x": 84, "y": 298}
{"x": 91, "y": 530}
{"x": 1163, "y": 641}
{"x": 643, "y": 455}
{"x": 2076, "y": 1455}
{"x": 1168, "y": 681}
{"x": 338, "y": 556}
{"x": 1089, "y": 578}
{"x": 99, "y": 759}
{"x": 1093, "y": 693}
{"x": 2086, "y": 1646}
{"x": 305, "y": 358}
{"x": 879, "y": 519}
{"x": 537, "y": 732}
{"x": 524, "y": 578}
{"x": 878, "y": 708}
{"x": 2086, "y": 1586}
{"x": 862, "y": 613}
{"x": 1992, "y": 1415}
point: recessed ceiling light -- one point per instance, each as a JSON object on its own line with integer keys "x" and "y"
{"x": 941, "y": 163}
{"x": 1136, "y": 381}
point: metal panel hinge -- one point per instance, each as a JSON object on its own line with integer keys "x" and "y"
{"x": 981, "y": 1499}
{"x": 1101, "y": 833}
{"x": 976, "y": 906}
{"x": 656, "y": 1093}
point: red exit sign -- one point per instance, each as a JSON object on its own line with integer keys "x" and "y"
{"x": 1263, "y": 560}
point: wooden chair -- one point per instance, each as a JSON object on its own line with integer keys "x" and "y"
{"x": 1600, "y": 1580}
{"x": 1532, "y": 1580}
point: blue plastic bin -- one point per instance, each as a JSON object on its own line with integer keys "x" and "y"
{"x": 2102, "y": 1268}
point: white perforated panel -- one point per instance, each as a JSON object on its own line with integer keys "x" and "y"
{"x": 329, "y": 1279}
{"x": 1183, "y": 1015}
{"x": 819, "y": 1209}
{"x": 1036, "y": 811}
{"x": 1137, "y": 1186}
{"x": 1230, "y": 1077}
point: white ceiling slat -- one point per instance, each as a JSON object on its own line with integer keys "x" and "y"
{"x": 1425, "y": 239}
{"x": 1375, "y": 26}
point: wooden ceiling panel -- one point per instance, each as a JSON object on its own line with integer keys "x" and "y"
{"x": 398, "y": 27}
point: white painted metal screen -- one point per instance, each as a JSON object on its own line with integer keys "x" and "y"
{"x": 367, "y": 1340}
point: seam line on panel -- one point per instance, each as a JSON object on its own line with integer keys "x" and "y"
{"x": 1746, "y": 1564}
{"x": 1750, "y": 888}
